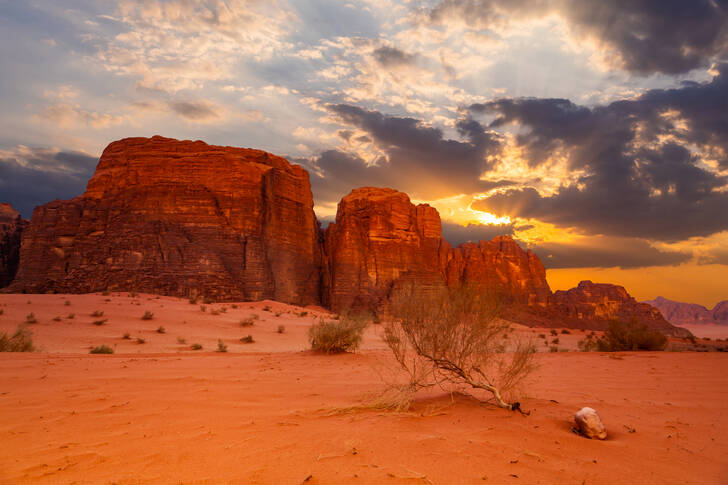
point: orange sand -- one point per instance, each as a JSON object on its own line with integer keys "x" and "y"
{"x": 261, "y": 413}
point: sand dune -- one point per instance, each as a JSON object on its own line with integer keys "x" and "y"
{"x": 263, "y": 413}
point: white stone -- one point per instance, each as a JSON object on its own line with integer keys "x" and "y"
{"x": 589, "y": 424}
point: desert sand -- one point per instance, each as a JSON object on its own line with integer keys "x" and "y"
{"x": 272, "y": 412}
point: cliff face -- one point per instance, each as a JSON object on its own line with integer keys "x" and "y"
{"x": 592, "y": 305}
{"x": 380, "y": 239}
{"x": 501, "y": 266}
{"x": 186, "y": 218}
{"x": 720, "y": 312}
{"x": 11, "y": 230}
{"x": 180, "y": 218}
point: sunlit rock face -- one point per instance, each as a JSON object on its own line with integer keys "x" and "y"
{"x": 180, "y": 218}
{"x": 380, "y": 241}
{"x": 11, "y": 230}
{"x": 501, "y": 266}
{"x": 593, "y": 305}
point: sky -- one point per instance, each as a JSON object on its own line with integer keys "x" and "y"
{"x": 593, "y": 132}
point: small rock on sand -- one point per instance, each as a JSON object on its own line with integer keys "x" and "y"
{"x": 589, "y": 424}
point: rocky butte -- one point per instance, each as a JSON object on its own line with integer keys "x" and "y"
{"x": 180, "y": 218}
{"x": 11, "y": 230}
{"x": 186, "y": 218}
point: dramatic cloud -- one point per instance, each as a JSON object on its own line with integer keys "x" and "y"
{"x": 34, "y": 176}
{"x": 650, "y": 165}
{"x": 194, "y": 110}
{"x": 404, "y": 153}
{"x": 606, "y": 252}
{"x": 645, "y": 36}
{"x": 456, "y": 234}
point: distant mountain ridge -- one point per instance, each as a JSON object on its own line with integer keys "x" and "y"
{"x": 679, "y": 313}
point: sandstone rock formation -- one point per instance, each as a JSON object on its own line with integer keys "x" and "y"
{"x": 680, "y": 313}
{"x": 593, "y": 305}
{"x": 186, "y": 218}
{"x": 180, "y": 218}
{"x": 589, "y": 424}
{"x": 11, "y": 230}
{"x": 381, "y": 240}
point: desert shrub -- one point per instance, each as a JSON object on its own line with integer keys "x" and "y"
{"x": 67, "y": 303}
{"x": 147, "y": 315}
{"x": 281, "y": 329}
{"x": 278, "y": 314}
{"x": 97, "y": 313}
{"x": 565, "y": 331}
{"x": 266, "y": 308}
{"x": 555, "y": 341}
{"x": 161, "y": 329}
{"x": 193, "y": 300}
{"x": 553, "y": 349}
{"x": 57, "y": 319}
{"x": 589, "y": 344}
{"x": 223, "y": 309}
{"x": 248, "y": 339}
{"x": 181, "y": 340}
{"x": 247, "y": 322}
{"x": 454, "y": 336}
{"x": 303, "y": 314}
{"x": 214, "y": 312}
{"x": 196, "y": 346}
{"x": 542, "y": 335}
{"x": 333, "y": 337}
{"x": 100, "y": 322}
{"x": 30, "y": 318}
{"x": 102, "y": 349}
{"x": 105, "y": 293}
{"x": 126, "y": 336}
{"x": 203, "y": 308}
{"x": 234, "y": 306}
{"x": 20, "y": 341}
{"x": 221, "y": 347}
{"x": 140, "y": 340}
{"x": 2, "y": 311}
{"x": 71, "y": 316}
{"x": 133, "y": 294}
{"x": 554, "y": 333}
{"x": 207, "y": 301}
{"x": 630, "y": 335}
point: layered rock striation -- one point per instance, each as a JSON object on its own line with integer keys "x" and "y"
{"x": 593, "y": 305}
{"x": 180, "y": 218}
{"x": 186, "y": 218}
{"x": 12, "y": 226}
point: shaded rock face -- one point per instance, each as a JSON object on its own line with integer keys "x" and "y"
{"x": 380, "y": 240}
{"x": 11, "y": 230}
{"x": 593, "y": 305}
{"x": 690, "y": 313}
{"x": 180, "y": 218}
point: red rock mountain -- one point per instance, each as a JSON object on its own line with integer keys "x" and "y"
{"x": 186, "y": 218}
{"x": 180, "y": 218}
{"x": 680, "y": 313}
{"x": 11, "y": 230}
{"x": 592, "y": 305}
{"x": 381, "y": 240}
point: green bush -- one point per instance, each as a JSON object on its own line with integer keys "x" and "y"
{"x": 102, "y": 349}
{"x": 334, "y": 337}
{"x": 20, "y": 341}
{"x": 630, "y": 335}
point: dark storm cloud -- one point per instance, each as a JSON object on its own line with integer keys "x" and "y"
{"x": 606, "y": 253}
{"x": 641, "y": 176}
{"x": 40, "y": 175}
{"x": 392, "y": 57}
{"x": 649, "y": 36}
{"x": 422, "y": 162}
{"x": 193, "y": 110}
